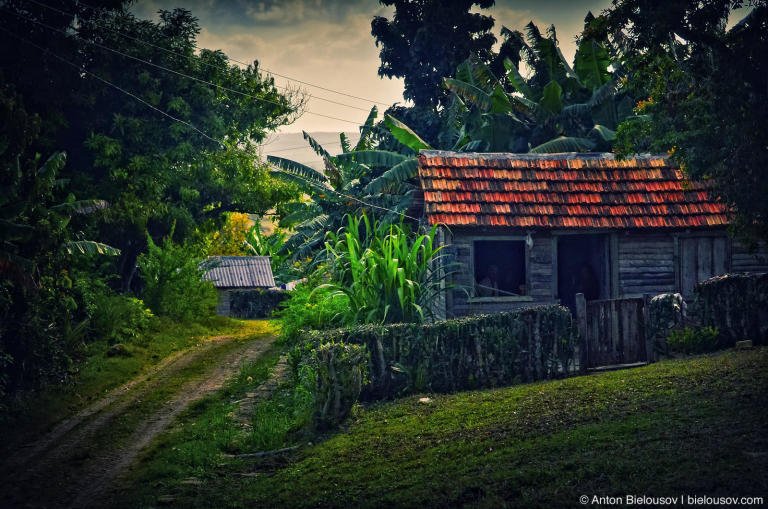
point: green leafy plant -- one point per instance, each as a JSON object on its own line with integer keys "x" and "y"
{"x": 311, "y": 308}
{"x": 691, "y": 340}
{"x": 257, "y": 243}
{"x": 112, "y": 317}
{"x": 173, "y": 281}
{"x": 388, "y": 273}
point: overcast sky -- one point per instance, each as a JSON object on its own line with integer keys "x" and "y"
{"x": 329, "y": 43}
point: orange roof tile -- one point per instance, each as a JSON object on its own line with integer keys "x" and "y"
{"x": 563, "y": 191}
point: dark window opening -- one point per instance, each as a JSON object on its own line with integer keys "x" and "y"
{"x": 499, "y": 268}
{"x": 582, "y": 267}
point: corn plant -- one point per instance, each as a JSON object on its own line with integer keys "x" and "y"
{"x": 388, "y": 273}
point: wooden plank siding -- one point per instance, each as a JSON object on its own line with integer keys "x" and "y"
{"x": 539, "y": 283}
{"x": 640, "y": 263}
{"x": 223, "y": 304}
{"x": 744, "y": 260}
{"x": 612, "y": 331}
{"x": 646, "y": 264}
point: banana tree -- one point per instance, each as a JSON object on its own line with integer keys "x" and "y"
{"x": 360, "y": 178}
{"x": 557, "y": 108}
{"x": 29, "y": 224}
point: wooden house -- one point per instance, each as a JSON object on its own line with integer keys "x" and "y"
{"x": 527, "y": 229}
{"x": 229, "y": 273}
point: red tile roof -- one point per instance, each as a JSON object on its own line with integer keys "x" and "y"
{"x": 563, "y": 191}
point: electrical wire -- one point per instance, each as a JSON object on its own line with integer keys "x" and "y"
{"x": 173, "y": 71}
{"x": 168, "y": 115}
{"x": 80, "y": 69}
{"x": 136, "y": 39}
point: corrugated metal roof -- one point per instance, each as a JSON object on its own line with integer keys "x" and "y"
{"x": 563, "y": 191}
{"x": 239, "y": 272}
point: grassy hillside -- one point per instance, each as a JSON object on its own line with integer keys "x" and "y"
{"x": 695, "y": 426}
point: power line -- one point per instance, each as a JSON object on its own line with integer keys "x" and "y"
{"x": 152, "y": 64}
{"x": 80, "y": 69}
{"x": 168, "y": 115}
{"x": 122, "y": 34}
{"x": 297, "y": 147}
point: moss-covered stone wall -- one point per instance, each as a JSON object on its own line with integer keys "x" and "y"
{"x": 466, "y": 353}
{"x": 736, "y": 305}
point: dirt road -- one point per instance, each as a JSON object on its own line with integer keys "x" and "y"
{"x": 77, "y": 462}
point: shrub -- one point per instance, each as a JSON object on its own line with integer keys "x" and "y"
{"x": 120, "y": 318}
{"x": 258, "y": 303}
{"x": 310, "y": 309}
{"x": 736, "y": 305}
{"x": 173, "y": 281}
{"x": 465, "y": 353}
{"x": 112, "y": 317}
{"x": 340, "y": 372}
{"x": 691, "y": 340}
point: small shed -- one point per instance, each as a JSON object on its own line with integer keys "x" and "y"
{"x": 527, "y": 229}
{"x": 233, "y": 273}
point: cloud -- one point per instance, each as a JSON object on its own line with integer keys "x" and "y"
{"x": 328, "y": 42}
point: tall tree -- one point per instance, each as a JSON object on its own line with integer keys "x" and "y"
{"x": 427, "y": 39}
{"x": 707, "y": 94}
{"x": 155, "y": 171}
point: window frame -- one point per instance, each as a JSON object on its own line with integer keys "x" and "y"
{"x": 472, "y": 239}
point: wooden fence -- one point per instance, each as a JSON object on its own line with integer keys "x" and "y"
{"x": 612, "y": 331}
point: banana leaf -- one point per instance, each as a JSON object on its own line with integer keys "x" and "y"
{"x": 564, "y": 144}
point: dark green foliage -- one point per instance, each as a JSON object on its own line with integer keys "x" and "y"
{"x": 427, "y": 39}
{"x": 41, "y": 331}
{"x": 155, "y": 172}
{"x": 692, "y": 340}
{"x": 360, "y": 179}
{"x": 705, "y": 80}
{"x": 341, "y": 370}
{"x": 173, "y": 281}
{"x": 258, "y": 303}
{"x": 465, "y": 353}
{"x": 666, "y": 313}
{"x": 310, "y": 308}
{"x": 112, "y": 317}
{"x": 288, "y": 414}
{"x": 736, "y": 305}
{"x": 555, "y": 108}
{"x": 671, "y": 427}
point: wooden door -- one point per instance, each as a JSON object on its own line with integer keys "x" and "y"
{"x": 700, "y": 259}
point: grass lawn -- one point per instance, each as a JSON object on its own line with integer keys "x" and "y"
{"x": 97, "y": 373}
{"x": 696, "y": 426}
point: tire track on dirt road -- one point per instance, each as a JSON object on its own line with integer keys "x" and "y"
{"x": 64, "y": 469}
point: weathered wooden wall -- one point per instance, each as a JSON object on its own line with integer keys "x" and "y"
{"x": 641, "y": 263}
{"x": 223, "y": 305}
{"x": 539, "y": 282}
{"x": 645, "y": 264}
{"x": 744, "y": 260}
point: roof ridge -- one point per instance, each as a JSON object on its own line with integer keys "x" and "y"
{"x": 488, "y": 156}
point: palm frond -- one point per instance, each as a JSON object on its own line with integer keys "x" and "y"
{"x": 344, "y": 141}
{"x": 316, "y": 146}
{"x": 298, "y": 171}
{"x": 89, "y": 247}
{"x": 398, "y": 174}
{"x": 405, "y": 134}
{"x": 516, "y": 79}
{"x": 603, "y": 133}
{"x": 81, "y": 206}
{"x": 564, "y": 144}
{"x": 366, "y": 130}
{"x": 373, "y": 157}
{"x": 470, "y": 93}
